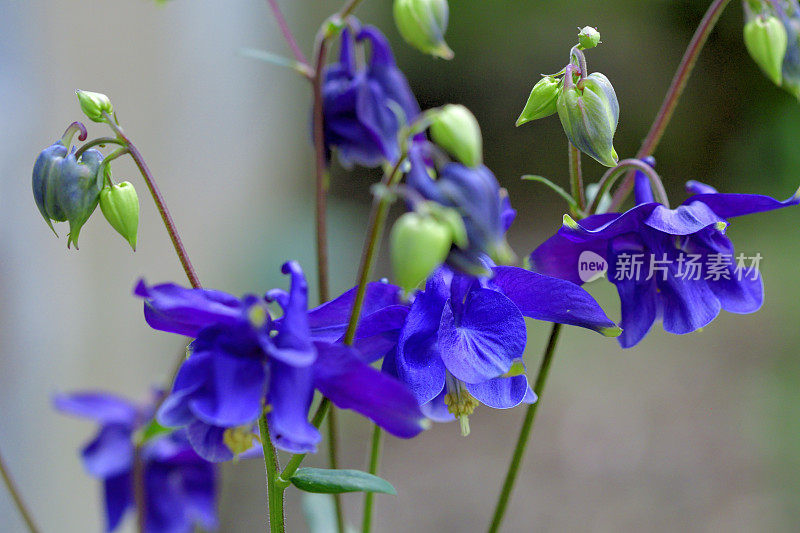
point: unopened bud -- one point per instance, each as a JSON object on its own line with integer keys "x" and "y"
{"x": 422, "y": 24}
{"x": 766, "y": 41}
{"x": 542, "y": 100}
{"x": 120, "y": 205}
{"x": 588, "y": 37}
{"x": 94, "y": 104}
{"x": 455, "y": 129}
{"x": 589, "y": 112}
{"x": 419, "y": 244}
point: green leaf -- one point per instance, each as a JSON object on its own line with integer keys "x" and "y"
{"x": 555, "y": 188}
{"x": 328, "y": 481}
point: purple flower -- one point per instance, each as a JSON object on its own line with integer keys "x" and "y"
{"x": 676, "y": 264}
{"x": 179, "y": 486}
{"x": 365, "y": 106}
{"x": 463, "y": 339}
{"x": 476, "y": 195}
{"x": 242, "y": 359}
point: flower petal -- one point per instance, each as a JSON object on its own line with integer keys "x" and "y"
{"x": 102, "y": 407}
{"x": 172, "y": 308}
{"x": 483, "y": 342}
{"x": 554, "y": 300}
{"x": 329, "y": 321}
{"x": 118, "y": 499}
{"x": 500, "y": 393}
{"x": 437, "y": 410}
{"x": 110, "y": 453}
{"x": 290, "y": 393}
{"x": 340, "y": 375}
{"x": 207, "y": 441}
{"x": 728, "y": 205}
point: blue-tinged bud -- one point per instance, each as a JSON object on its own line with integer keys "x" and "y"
{"x": 45, "y": 183}
{"x": 588, "y": 37}
{"x": 766, "y": 40}
{"x": 94, "y": 104}
{"x": 542, "y": 100}
{"x": 120, "y": 205}
{"x": 589, "y": 112}
{"x": 78, "y": 191}
{"x": 419, "y": 244}
{"x": 455, "y": 128}
{"x": 422, "y": 24}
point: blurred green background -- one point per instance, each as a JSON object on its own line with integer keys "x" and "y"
{"x": 692, "y": 433}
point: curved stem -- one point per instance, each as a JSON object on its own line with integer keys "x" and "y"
{"x": 374, "y": 463}
{"x": 673, "y": 94}
{"x": 525, "y": 431}
{"x": 611, "y": 175}
{"x": 274, "y": 492}
{"x": 287, "y": 33}
{"x": 577, "y": 53}
{"x": 576, "y": 176}
{"x": 27, "y": 517}
{"x": 159, "y": 200}
{"x": 348, "y": 8}
{"x": 102, "y": 141}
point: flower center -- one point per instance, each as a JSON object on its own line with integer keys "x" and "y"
{"x": 238, "y": 439}
{"x": 460, "y": 403}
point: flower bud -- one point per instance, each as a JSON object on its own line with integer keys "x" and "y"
{"x": 766, "y": 41}
{"x": 455, "y": 129}
{"x": 94, "y": 104}
{"x": 78, "y": 190}
{"x": 419, "y": 244}
{"x": 422, "y": 24}
{"x": 542, "y": 100}
{"x": 589, "y": 113}
{"x": 588, "y": 37}
{"x": 120, "y": 205}
{"x": 67, "y": 189}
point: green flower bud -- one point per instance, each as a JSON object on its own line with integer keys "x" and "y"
{"x": 93, "y": 105}
{"x": 454, "y": 128}
{"x": 120, "y": 205}
{"x": 542, "y": 100}
{"x": 419, "y": 244}
{"x": 422, "y": 24}
{"x": 589, "y": 112}
{"x": 588, "y": 37}
{"x": 766, "y": 41}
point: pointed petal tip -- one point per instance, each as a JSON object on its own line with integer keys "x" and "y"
{"x": 614, "y": 331}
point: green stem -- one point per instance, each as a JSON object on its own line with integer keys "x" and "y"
{"x": 333, "y": 462}
{"x": 27, "y": 517}
{"x": 294, "y": 462}
{"x": 611, "y": 175}
{"x": 673, "y": 94}
{"x": 525, "y": 431}
{"x": 374, "y": 463}
{"x": 576, "y": 176}
{"x": 158, "y": 199}
{"x": 102, "y": 141}
{"x": 274, "y": 491}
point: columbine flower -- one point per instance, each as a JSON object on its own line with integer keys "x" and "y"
{"x": 676, "y": 264}
{"x": 476, "y": 195}
{"x": 365, "y": 106}
{"x": 242, "y": 359}
{"x": 179, "y": 486}
{"x": 463, "y": 338}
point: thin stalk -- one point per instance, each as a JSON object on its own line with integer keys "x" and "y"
{"x": 139, "y": 491}
{"x": 321, "y": 177}
{"x": 102, "y": 141}
{"x": 274, "y": 492}
{"x": 576, "y": 176}
{"x": 27, "y": 517}
{"x": 673, "y": 94}
{"x": 348, "y": 8}
{"x": 611, "y": 175}
{"x": 525, "y": 431}
{"x": 287, "y": 33}
{"x": 333, "y": 462}
{"x": 374, "y": 463}
{"x": 172, "y": 230}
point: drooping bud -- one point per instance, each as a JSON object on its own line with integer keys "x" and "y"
{"x": 419, "y": 244}
{"x": 94, "y": 104}
{"x": 588, "y": 37}
{"x": 766, "y": 41}
{"x": 455, "y": 128}
{"x": 542, "y": 100}
{"x": 120, "y": 205}
{"x": 65, "y": 188}
{"x": 589, "y": 112}
{"x": 422, "y": 24}
{"x": 80, "y": 182}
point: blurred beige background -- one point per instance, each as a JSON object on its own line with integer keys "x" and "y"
{"x": 696, "y": 433}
